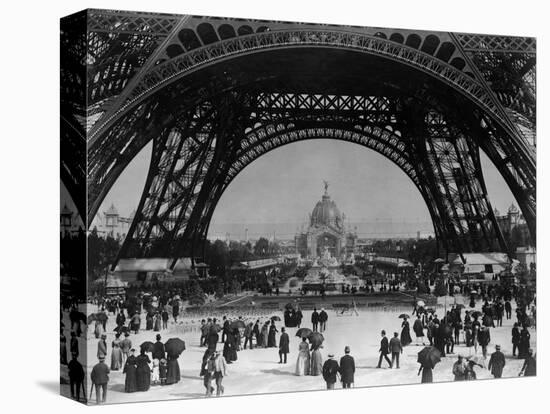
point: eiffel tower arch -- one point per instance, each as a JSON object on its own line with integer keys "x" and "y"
{"x": 214, "y": 94}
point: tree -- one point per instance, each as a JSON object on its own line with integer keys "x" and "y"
{"x": 196, "y": 294}
{"x": 261, "y": 248}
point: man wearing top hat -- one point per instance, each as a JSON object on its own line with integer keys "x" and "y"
{"x": 330, "y": 371}
{"x": 496, "y": 362}
{"x": 347, "y": 368}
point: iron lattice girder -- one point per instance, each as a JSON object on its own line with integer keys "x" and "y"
{"x": 166, "y": 72}
{"x": 455, "y": 160}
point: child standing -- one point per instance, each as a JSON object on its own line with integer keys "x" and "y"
{"x": 163, "y": 369}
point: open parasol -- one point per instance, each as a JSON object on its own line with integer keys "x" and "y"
{"x": 147, "y": 346}
{"x": 238, "y": 324}
{"x": 476, "y": 360}
{"x": 316, "y": 339}
{"x": 476, "y": 314}
{"x": 420, "y": 303}
{"x": 174, "y": 346}
{"x": 304, "y": 332}
{"x": 404, "y": 316}
{"x": 121, "y": 329}
{"x": 429, "y": 356}
{"x": 276, "y": 318}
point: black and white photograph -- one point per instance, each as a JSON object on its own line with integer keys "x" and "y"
{"x": 254, "y": 206}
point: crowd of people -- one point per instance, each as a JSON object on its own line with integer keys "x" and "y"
{"x": 155, "y": 366}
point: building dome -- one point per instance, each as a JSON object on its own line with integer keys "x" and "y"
{"x": 326, "y": 213}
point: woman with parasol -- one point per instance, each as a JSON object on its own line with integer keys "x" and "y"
{"x": 405, "y": 331}
{"x": 316, "y": 339}
{"x": 303, "y": 361}
{"x": 230, "y": 346}
{"x": 428, "y": 357}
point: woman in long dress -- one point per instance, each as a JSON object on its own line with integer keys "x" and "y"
{"x": 156, "y": 326}
{"x": 130, "y": 369}
{"x": 303, "y": 362}
{"x": 271, "y": 339}
{"x": 149, "y": 321}
{"x": 418, "y": 329}
{"x": 316, "y": 362}
{"x": 427, "y": 375}
{"x": 265, "y": 330}
{"x": 405, "y": 333}
{"x": 173, "y": 374}
{"x": 116, "y": 354}
{"x": 143, "y": 372}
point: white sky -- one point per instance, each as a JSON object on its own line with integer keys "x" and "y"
{"x": 279, "y": 189}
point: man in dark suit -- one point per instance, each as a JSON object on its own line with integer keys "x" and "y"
{"x": 330, "y": 371}
{"x": 76, "y": 376}
{"x": 396, "y": 348}
{"x": 315, "y": 320}
{"x": 323, "y": 317}
{"x": 284, "y": 342}
{"x": 496, "y": 363}
{"x": 384, "y": 350}
{"x": 158, "y": 349}
{"x": 100, "y": 379}
{"x": 347, "y": 369}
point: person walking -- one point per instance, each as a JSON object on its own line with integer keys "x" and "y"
{"x": 264, "y": 334}
{"x": 102, "y": 347}
{"x": 469, "y": 373}
{"x": 284, "y": 342}
{"x": 384, "y": 350}
{"x": 125, "y": 346}
{"x": 256, "y": 333}
{"x": 173, "y": 373}
{"x": 159, "y": 352}
{"x": 323, "y": 318}
{"x": 76, "y": 377}
{"x": 271, "y": 337}
{"x": 298, "y": 317}
{"x": 508, "y": 309}
{"x": 73, "y": 347}
{"x": 316, "y": 362}
{"x": 427, "y": 374}
{"x": 459, "y": 369}
{"x": 524, "y": 343}
{"x": 207, "y": 371}
{"x": 116, "y": 354}
{"x": 135, "y": 323}
{"x": 418, "y": 328}
{"x": 330, "y": 371}
{"x": 303, "y": 361}
{"x": 220, "y": 371}
{"x": 405, "y": 333}
{"x": 396, "y": 348}
{"x": 315, "y": 320}
{"x": 529, "y": 368}
{"x": 484, "y": 338}
{"x": 143, "y": 372}
{"x": 248, "y": 335}
{"x": 164, "y": 316}
{"x": 100, "y": 379}
{"x": 515, "y": 339}
{"x": 496, "y": 362}
{"x": 130, "y": 369}
{"x": 347, "y": 368}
